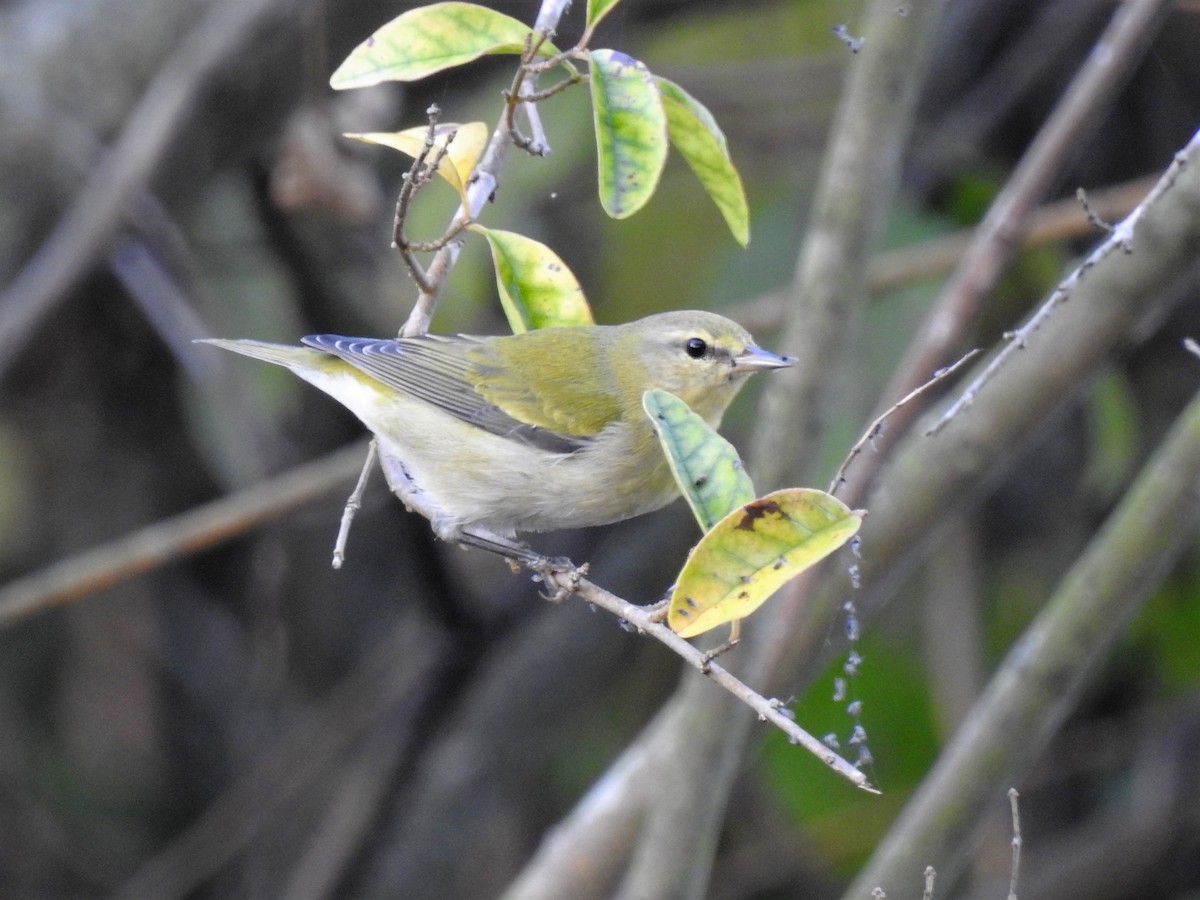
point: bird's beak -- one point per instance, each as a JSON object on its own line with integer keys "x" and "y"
{"x": 756, "y": 359}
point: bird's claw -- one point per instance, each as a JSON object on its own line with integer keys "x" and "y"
{"x": 710, "y": 655}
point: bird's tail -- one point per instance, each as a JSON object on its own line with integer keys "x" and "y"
{"x": 279, "y": 354}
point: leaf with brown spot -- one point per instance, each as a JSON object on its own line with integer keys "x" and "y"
{"x": 754, "y": 551}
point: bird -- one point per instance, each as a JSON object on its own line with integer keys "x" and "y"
{"x": 530, "y": 432}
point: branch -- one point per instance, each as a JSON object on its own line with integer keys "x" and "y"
{"x": 859, "y": 175}
{"x": 1121, "y": 237}
{"x": 569, "y": 580}
{"x": 860, "y": 172}
{"x": 419, "y": 174}
{"x": 1050, "y": 666}
{"x": 1048, "y": 224}
{"x": 484, "y": 181}
{"x": 156, "y": 545}
{"x": 893, "y": 269}
{"x": 875, "y": 429}
{"x": 997, "y": 239}
{"x": 927, "y": 481}
{"x": 80, "y": 235}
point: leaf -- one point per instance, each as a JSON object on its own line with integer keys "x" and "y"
{"x": 695, "y": 134}
{"x": 706, "y": 466}
{"x": 464, "y": 151}
{"x": 536, "y": 288}
{"x": 429, "y": 39}
{"x": 597, "y": 10}
{"x": 631, "y": 131}
{"x": 754, "y": 551}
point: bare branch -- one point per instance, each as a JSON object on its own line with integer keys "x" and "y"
{"x": 903, "y": 266}
{"x": 998, "y": 237}
{"x": 1050, "y": 667}
{"x": 1014, "y": 802}
{"x": 1120, "y": 238}
{"x": 81, "y": 234}
{"x": 156, "y": 545}
{"x": 353, "y": 505}
{"x": 876, "y": 427}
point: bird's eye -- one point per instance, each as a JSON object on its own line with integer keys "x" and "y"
{"x": 696, "y": 347}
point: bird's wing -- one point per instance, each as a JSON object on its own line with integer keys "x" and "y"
{"x": 441, "y": 370}
{"x": 569, "y": 390}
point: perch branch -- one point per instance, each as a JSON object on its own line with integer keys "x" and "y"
{"x": 570, "y": 581}
{"x": 156, "y": 545}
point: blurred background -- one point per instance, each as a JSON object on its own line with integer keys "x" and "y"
{"x": 245, "y": 721}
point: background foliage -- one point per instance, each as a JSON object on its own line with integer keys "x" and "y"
{"x": 246, "y": 721}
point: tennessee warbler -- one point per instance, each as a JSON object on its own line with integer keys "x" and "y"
{"x": 528, "y": 432}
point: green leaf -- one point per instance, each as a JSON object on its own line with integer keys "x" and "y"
{"x": 754, "y": 551}
{"x": 429, "y": 39}
{"x": 706, "y": 466}
{"x": 631, "y": 131}
{"x": 456, "y": 165}
{"x": 536, "y": 288}
{"x": 695, "y": 134}
{"x": 597, "y": 10}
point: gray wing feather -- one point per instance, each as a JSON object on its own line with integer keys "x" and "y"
{"x": 436, "y": 369}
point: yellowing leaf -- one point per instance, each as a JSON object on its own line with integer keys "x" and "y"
{"x": 707, "y": 468}
{"x": 455, "y": 167}
{"x": 754, "y": 551}
{"x": 536, "y": 288}
{"x": 631, "y": 131}
{"x": 695, "y": 134}
{"x": 429, "y": 39}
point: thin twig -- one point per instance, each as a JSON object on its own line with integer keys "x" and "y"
{"x": 1050, "y": 223}
{"x": 569, "y": 580}
{"x": 353, "y": 505}
{"x": 163, "y": 542}
{"x": 893, "y": 269}
{"x": 1092, "y": 216}
{"x": 550, "y": 13}
{"x": 876, "y": 427}
{"x": 547, "y": 93}
{"x": 1049, "y": 668}
{"x": 419, "y": 174}
{"x": 483, "y": 182}
{"x": 450, "y": 234}
{"x": 1121, "y": 238}
{"x": 1014, "y": 802}
{"x": 523, "y": 83}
